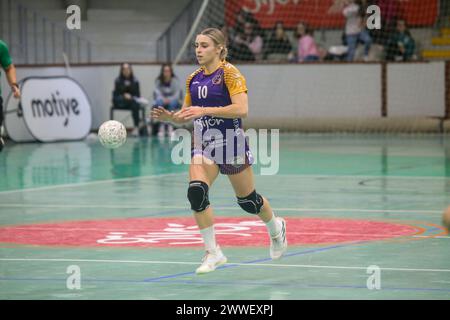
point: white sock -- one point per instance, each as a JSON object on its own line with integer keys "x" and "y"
{"x": 273, "y": 226}
{"x": 209, "y": 238}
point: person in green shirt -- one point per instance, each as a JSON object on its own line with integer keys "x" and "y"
{"x": 10, "y": 71}
{"x": 401, "y": 46}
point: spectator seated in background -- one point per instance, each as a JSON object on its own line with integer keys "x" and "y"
{"x": 401, "y": 46}
{"x": 242, "y": 18}
{"x": 391, "y": 11}
{"x": 126, "y": 95}
{"x": 248, "y": 45}
{"x": 168, "y": 94}
{"x": 307, "y": 49}
{"x": 278, "y": 45}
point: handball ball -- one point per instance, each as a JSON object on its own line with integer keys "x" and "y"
{"x": 446, "y": 218}
{"x": 112, "y": 134}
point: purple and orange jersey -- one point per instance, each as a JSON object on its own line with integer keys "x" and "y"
{"x": 216, "y": 90}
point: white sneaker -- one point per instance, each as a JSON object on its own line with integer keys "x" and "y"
{"x": 278, "y": 244}
{"x": 2, "y": 144}
{"x": 211, "y": 261}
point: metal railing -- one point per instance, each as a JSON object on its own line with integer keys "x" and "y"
{"x": 34, "y": 39}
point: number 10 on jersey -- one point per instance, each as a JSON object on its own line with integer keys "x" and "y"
{"x": 202, "y": 92}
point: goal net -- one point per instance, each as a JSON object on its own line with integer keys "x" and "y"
{"x": 272, "y": 30}
{"x": 373, "y": 37}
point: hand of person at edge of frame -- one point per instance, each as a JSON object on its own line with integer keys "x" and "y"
{"x": 16, "y": 91}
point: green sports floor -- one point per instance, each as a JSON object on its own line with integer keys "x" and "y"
{"x": 363, "y": 219}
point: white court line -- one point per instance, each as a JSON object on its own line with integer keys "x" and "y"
{"x": 157, "y": 232}
{"x": 231, "y": 264}
{"x": 356, "y": 176}
{"x": 335, "y": 234}
{"x": 437, "y": 237}
{"x": 71, "y": 185}
{"x": 154, "y": 232}
{"x": 89, "y": 183}
{"x": 21, "y": 205}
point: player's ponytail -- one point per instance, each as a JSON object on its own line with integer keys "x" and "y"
{"x": 223, "y": 53}
{"x": 219, "y": 40}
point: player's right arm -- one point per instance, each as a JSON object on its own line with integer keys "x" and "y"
{"x": 12, "y": 80}
{"x": 162, "y": 114}
{"x": 165, "y": 115}
{"x": 186, "y": 104}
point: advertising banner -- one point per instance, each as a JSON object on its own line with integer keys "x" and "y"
{"x": 50, "y": 109}
{"x": 315, "y": 13}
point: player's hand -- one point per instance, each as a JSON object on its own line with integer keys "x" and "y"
{"x": 161, "y": 114}
{"x": 177, "y": 118}
{"x": 190, "y": 113}
{"x": 16, "y": 91}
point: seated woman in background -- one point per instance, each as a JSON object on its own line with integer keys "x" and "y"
{"x": 401, "y": 46}
{"x": 307, "y": 48}
{"x": 167, "y": 94}
{"x": 278, "y": 42}
{"x": 126, "y": 94}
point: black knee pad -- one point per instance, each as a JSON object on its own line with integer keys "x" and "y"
{"x": 251, "y": 203}
{"x": 198, "y": 195}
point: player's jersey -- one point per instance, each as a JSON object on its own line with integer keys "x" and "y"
{"x": 215, "y": 90}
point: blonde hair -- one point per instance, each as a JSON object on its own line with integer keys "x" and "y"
{"x": 218, "y": 38}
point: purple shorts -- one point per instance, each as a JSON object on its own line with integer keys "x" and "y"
{"x": 232, "y": 160}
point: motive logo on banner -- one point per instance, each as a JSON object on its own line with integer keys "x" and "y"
{"x": 55, "y": 108}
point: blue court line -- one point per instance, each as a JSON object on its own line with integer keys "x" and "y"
{"x": 157, "y": 279}
{"x": 170, "y": 279}
{"x": 296, "y": 285}
{"x": 234, "y": 283}
{"x": 256, "y": 261}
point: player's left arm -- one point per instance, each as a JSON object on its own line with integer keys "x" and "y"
{"x": 237, "y": 89}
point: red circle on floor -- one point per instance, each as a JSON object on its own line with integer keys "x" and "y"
{"x": 176, "y": 232}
